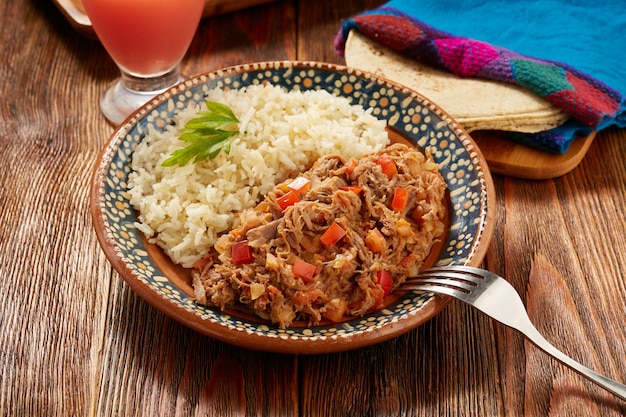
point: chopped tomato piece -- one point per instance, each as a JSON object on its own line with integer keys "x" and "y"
{"x": 288, "y": 199}
{"x": 388, "y": 166}
{"x": 385, "y": 281}
{"x": 300, "y": 185}
{"x": 400, "y": 199}
{"x": 356, "y": 189}
{"x": 241, "y": 252}
{"x": 350, "y": 165}
{"x": 304, "y": 270}
{"x": 375, "y": 241}
{"x": 332, "y": 235}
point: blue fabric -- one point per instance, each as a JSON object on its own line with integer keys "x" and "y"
{"x": 587, "y": 35}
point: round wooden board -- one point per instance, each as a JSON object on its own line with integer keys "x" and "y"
{"x": 516, "y": 160}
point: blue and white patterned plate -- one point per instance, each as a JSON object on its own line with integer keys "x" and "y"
{"x": 409, "y": 116}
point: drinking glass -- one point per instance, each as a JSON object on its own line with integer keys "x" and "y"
{"x": 147, "y": 39}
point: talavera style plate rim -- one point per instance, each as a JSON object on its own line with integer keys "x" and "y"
{"x": 408, "y": 113}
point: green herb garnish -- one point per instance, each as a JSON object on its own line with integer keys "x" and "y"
{"x": 207, "y": 135}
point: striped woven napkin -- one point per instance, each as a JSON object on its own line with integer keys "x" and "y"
{"x": 566, "y": 53}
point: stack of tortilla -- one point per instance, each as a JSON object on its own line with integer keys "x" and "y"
{"x": 476, "y": 104}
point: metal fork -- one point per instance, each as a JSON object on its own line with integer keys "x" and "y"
{"x": 495, "y": 297}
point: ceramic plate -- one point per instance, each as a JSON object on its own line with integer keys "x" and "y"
{"x": 410, "y": 117}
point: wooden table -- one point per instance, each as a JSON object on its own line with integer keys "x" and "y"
{"x": 76, "y": 341}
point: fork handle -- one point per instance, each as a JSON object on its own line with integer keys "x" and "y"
{"x": 534, "y": 336}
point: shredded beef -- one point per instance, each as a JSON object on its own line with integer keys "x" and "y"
{"x": 357, "y": 196}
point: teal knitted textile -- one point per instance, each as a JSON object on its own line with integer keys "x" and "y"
{"x": 573, "y": 81}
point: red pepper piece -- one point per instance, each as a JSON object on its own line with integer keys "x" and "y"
{"x": 400, "y": 199}
{"x": 388, "y": 166}
{"x": 385, "y": 281}
{"x": 241, "y": 252}
{"x": 288, "y": 199}
{"x": 299, "y": 185}
{"x": 332, "y": 235}
{"x": 356, "y": 189}
{"x": 304, "y": 270}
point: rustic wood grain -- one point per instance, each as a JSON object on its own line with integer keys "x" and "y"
{"x": 571, "y": 219}
{"x": 262, "y": 33}
{"x": 76, "y": 341}
{"x": 552, "y": 304}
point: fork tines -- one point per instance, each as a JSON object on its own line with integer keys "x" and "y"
{"x": 445, "y": 279}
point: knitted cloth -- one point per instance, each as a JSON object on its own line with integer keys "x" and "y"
{"x": 591, "y": 104}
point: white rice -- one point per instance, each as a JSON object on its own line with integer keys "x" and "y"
{"x": 184, "y": 209}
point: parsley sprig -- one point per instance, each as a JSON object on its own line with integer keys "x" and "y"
{"x": 207, "y": 135}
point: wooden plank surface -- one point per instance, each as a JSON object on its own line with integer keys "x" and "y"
{"x": 76, "y": 341}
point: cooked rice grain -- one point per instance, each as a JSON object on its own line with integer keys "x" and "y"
{"x": 184, "y": 209}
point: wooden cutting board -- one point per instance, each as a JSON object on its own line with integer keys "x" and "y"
{"x": 75, "y": 13}
{"x": 515, "y": 160}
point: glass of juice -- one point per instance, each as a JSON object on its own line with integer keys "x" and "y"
{"x": 147, "y": 39}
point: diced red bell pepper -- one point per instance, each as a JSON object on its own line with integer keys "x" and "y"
{"x": 388, "y": 166}
{"x": 356, "y": 189}
{"x": 385, "y": 281}
{"x": 241, "y": 252}
{"x": 299, "y": 185}
{"x": 304, "y": 270}
{"x": 288, "y": 199}
{"x": 332, "y": 235}
{"x": 400, "y": 199}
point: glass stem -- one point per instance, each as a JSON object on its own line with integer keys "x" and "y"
{"x": 151, "y": 84}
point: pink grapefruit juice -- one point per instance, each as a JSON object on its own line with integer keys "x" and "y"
{"x": 145, "y": 37}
